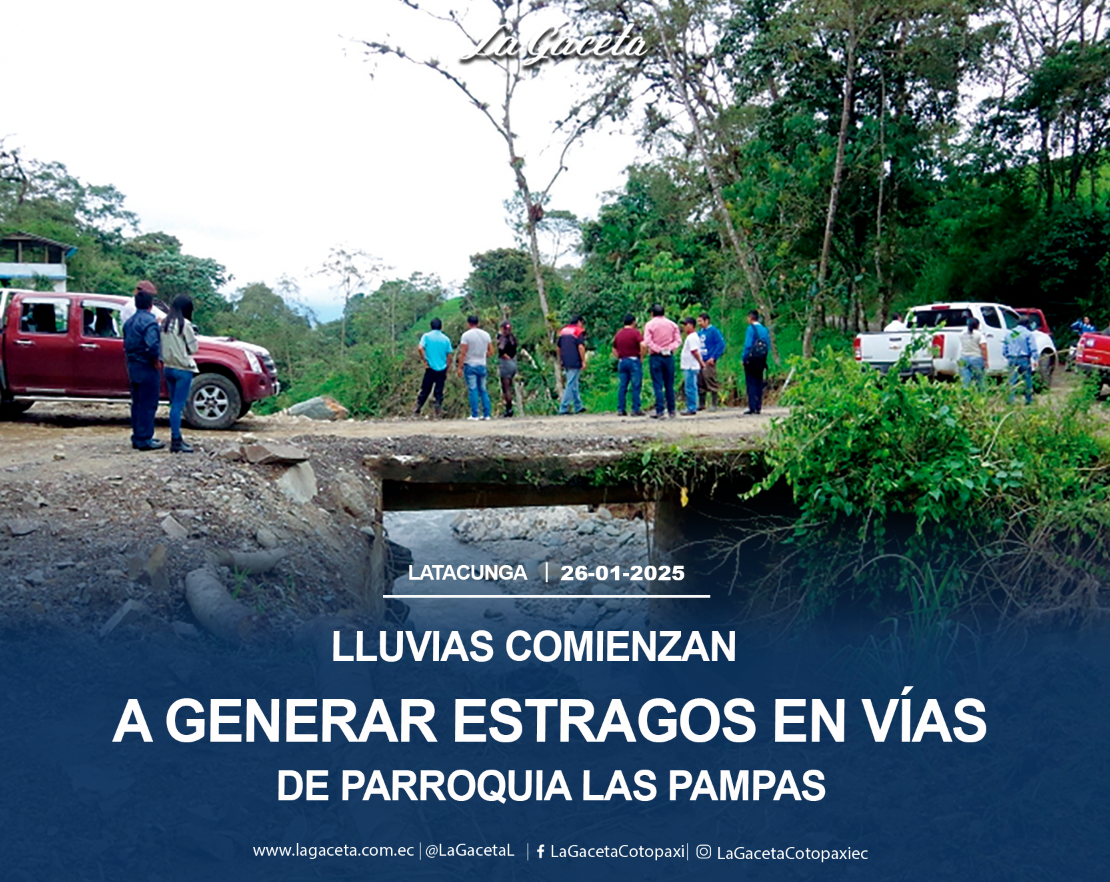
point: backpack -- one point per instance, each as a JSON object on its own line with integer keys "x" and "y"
{"x": 759, "y": 350}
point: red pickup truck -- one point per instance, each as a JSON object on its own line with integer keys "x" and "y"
{"x": 1092, "y": 355}
{"x": 69, "y": 347}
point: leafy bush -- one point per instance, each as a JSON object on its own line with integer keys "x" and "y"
{"x": 893, "y": 477}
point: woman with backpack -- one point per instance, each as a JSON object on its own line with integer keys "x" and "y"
{"x": 179, "y": 343}
{"x": 757, "y": 346}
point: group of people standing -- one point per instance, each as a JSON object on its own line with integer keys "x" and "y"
{"x": 699, "y": 351}
{"x": 475, "y": 347}
{"x": 155, "y": 352}
{"x": 699, "y": 346}
{"x": 1019, "y": 348}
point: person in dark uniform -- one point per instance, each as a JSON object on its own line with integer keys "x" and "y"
{"x": 142, "y": 345}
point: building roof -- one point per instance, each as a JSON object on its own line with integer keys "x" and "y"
{"x": 20, "y": 236}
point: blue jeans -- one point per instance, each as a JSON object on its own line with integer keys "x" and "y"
{"x": 570, "y": 393}
{"x": 1021, "y": 366}
{"x": 971, "y": 370}
{"x": 662, "y": 381}
{"x": 629, "y": 371}
{"x": 475, "y": 375}
{"x": 178, "y": 383}
{"x": 691, "y": 375}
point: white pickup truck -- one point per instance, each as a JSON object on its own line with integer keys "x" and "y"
{"x": 936, "y": 327}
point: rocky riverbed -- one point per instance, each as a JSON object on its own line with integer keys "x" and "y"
{"x": 563, "y": 543}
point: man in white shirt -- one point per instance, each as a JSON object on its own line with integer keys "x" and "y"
{"x": 691, "y": 363}
{"x": 475, "y": 346}
{"x": 896, "y": 323}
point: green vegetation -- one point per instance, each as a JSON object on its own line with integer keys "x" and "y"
{"x": 824, "y": 162}
{"x": 914, "y": 483}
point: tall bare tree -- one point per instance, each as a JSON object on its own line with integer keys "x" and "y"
{"x": 513, "y": 17}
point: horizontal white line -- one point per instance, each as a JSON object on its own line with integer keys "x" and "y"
{"x": 550, "y": 596}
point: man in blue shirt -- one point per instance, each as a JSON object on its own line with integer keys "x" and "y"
{"x": 142, "y": 345}
{"x": 1018, "y": 349}
{"x": 1084, "y": 326}
{"x": 712, "y": 348}
{"x": 435, "y": 351}
{"x": 757, "y": 346}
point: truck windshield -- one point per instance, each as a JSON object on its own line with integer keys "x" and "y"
{"x": 932, "y": 318}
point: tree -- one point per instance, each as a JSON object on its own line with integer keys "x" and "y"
{"x": 351, "y": 269}
{"x": 513, "y": 18}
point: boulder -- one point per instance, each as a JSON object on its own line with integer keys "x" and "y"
{"x": 322, "y": 407}
{"x": 271, "y": 454}
{"x": 128, "y": 612}
{"x": 298, "y": 483}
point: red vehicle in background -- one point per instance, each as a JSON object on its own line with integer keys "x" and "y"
{"x": 69, "y": 347}
{"x": 1092, "y": 354}
{"x": 1040, "y": 323}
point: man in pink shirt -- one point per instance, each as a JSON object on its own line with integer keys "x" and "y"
{"x": 662, "y": 340}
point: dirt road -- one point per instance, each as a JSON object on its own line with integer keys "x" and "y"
{"x": 94, "y": 437}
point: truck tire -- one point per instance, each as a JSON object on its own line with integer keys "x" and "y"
{"x": 9, "y": 410}
{"x": 214, "y": 402}
{"x": 245, "y": 409}
{"x": 1046, "y": 364}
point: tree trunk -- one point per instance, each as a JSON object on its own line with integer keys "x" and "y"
{"x": 741, "y": 249}
{"x": 817, "y": 308}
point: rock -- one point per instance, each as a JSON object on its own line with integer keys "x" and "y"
{"x": 322, "y": 407}
{"x": 185, "y": 631}
{"x": 37, "y": 608}
{"x": 584, "y": 616}
{"x": 603, "y": 589}
{"x": 155, "y": 569}
{"x": 22, "y": 527}
{"x": 266, "y": 537}
{"x": 352, "y": 496}
{"x": 270, "y": 454}
{"x": 156, "y": 561}
{"x": 136, "y": 566}
{"x": 552, "y": 540}
{"x": 298, "y": 483}
{"x": 587, "y": 528}
{"x": 173, "y": 529}
{"x": 231, "y": 454}
{"x": 614, "y": 603}
{"x": 58, "y": 457}
{"x": 128, "y": 612}
{"x": 604, "y": 514}
{"x": 35, "y": 577}
{"x": 36, "y": 499}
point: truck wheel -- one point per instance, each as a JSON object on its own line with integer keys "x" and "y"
{"x": 9, "y": 410}
{"x": 1046, "y": 364}
{"x": 214, "y": 402}
{"x": 245, "y": 409}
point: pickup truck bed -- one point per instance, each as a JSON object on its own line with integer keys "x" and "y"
{"x": 943, "y": 323}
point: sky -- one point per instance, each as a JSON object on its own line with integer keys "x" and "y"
{"x": 262, "y": 135}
